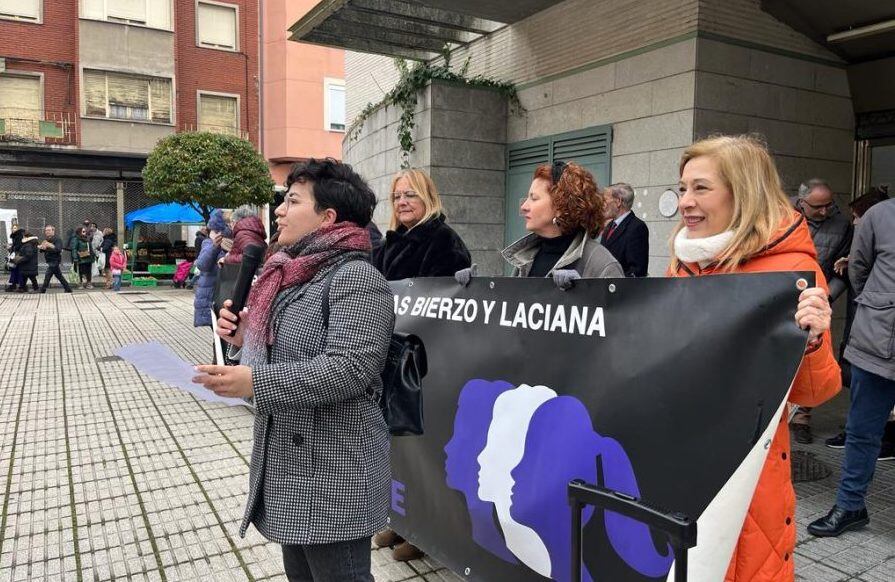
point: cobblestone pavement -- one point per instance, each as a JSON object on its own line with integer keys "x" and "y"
{"x": 107, "y": 475}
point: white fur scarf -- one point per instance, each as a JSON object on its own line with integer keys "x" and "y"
{"x": 702, "y": 251}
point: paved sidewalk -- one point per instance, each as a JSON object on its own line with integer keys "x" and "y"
{"x": 106, "y": 475}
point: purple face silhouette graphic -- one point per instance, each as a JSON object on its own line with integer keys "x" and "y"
{"x": 561, "y": 445}
{"x": 474, "y": 413}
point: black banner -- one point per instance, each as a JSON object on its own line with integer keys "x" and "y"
{"x": 665, "y": 389}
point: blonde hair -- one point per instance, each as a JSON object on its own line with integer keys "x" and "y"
{"x": 423, "y": 185}
{"x": 759, "y": 204}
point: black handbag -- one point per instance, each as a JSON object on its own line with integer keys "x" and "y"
{"x": 401, "y": 400}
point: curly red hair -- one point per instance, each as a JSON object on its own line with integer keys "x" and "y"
{"x": 576, "y": 199}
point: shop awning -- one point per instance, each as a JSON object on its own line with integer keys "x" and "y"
{"x": 169, "y": 213}
{"x": 415, "y": 30}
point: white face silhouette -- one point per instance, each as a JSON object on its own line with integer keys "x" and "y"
{"x": 504, "y": 449}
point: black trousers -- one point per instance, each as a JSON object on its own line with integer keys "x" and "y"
{"x": 54, "y": 270}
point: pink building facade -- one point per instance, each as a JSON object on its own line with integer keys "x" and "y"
{"x": 303, "y": 95}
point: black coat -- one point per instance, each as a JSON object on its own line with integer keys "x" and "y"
{"x": 629, "y": 244}
{"x": 431, "y": 249}
{"x": 26, "y": 259}
{"x": 109, "y": 241}
{"x": 53, "y": 256}
{"x": 16, "y": 239}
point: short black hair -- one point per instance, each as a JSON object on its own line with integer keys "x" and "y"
{"x": 337, "y": 186}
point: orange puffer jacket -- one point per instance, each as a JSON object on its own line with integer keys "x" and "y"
{"x": 764, "y": 551}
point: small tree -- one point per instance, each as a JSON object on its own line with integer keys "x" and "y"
{"x": 207, "y": 170}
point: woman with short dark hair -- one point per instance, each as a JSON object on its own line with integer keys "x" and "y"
{"x": 320, "y": 472}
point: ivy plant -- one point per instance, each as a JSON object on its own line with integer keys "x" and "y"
{"x": 207, "y": 170}
{"x": 412, "y": 80}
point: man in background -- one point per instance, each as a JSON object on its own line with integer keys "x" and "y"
{"x": 625, "y": 236}
{"x": 51, "y": 247}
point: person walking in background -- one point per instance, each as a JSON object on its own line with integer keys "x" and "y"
{"x": 51, "y": 247}
{"x": 871, "y": 269}
{"x": 859, "y": 206}
{"x": 247, "y": 230}
{"x": 320, "y": 474}
{"x": 832, "y": 234}
{"x": 84, "y": 257}
{"x": 207, "y": 264}
{"x": 563, "y": 212}
{"x": 15, "y": 274}
{"x": 419, "y": 243}
{"x": 201, "y": 235}
{"x": 117, "y": 262}
{"x": 625, "y": 236}
{"x": 26, "y": 262}
{"x": 109, "y": 241}
{"x": 735, "y": 218}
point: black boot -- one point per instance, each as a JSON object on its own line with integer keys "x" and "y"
{"x": 838, "y": 521}
{"x": 10, "y": 288}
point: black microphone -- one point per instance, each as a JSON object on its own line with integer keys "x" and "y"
{"x": 251, "y": 260}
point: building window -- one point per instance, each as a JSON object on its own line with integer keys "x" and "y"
{"x": 216, "y": 25}
{"x": 219, "y": 113}
{"x": 334, "y": 105}
{"x": 128, "y": 97}
{"x": 20, "y": 107}
{"x": 28, "y": 10}
{"x": 151, "y": 13}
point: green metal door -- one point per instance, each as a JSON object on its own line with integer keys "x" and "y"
{"x": 587, "y": 147}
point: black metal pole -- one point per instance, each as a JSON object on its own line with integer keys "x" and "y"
{"x": 576, "y": 540}
{"x": 680, "y": 565}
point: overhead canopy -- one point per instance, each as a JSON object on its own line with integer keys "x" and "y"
{"x": 857, "y": 30}
{"x": 169, "y": 213}
{"x": 414, "y": 30}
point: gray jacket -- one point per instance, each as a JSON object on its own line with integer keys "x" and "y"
{"x": 585, "y": 255}
{"x": 871, "y": 268}
{"x": 320, "y": 469}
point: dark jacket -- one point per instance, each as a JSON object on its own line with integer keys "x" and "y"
{"x": 247, "y": 231}
{"x": 375, "y": 235}
{"x": 629, "y": 244}
{"x": 430, "y": 249}
{"x": 80, "y": 245}
{"x": 871, "y": 268}
{"x": 26, "y": 258}
{"x": 16, "y": 239}
{"x": 832, "y": 239}
{"x": 200, "y": 238}
{"x": 109, "y": 241}
{"x": 53, "y": 256}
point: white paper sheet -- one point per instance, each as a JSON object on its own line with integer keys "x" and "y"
{"x": 160, "y": 363}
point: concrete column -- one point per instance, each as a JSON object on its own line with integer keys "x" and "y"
{"x": 119, "y": 201}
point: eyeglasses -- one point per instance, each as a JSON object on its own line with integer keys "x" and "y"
{"x": 826, "y": 206}
{"x": 408, "y": 195}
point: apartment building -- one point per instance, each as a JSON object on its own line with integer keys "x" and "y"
{"x": 88, "y": 87}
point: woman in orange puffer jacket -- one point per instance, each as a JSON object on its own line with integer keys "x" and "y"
{"x": 736, "y": 219}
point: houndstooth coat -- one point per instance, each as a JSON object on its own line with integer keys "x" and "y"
{"x": 320, "y": 469}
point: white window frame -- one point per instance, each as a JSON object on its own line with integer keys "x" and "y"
{"x": 105, "y": 18}
{"x": 200, "y": 92}
{"x": 40, "y": 17}
{"x": 199, "y": 44}
{"x": 107, "y": 117}
{"x": 327, "y": 83}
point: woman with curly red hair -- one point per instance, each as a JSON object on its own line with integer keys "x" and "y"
{"x": 564, "y": 212}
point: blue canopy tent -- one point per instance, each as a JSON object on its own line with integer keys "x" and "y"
{"x": 168, "y": 213}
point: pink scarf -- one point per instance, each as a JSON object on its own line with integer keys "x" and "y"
{"x": 297, "y": 264}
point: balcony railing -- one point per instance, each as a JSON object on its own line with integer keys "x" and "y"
{"x": 222, "y": 129}
{"x": 34, "y": 126}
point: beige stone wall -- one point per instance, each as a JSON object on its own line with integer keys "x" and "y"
{"x": 557, "y": 40}
{"x": 744, "y": 20}
{"x": 648, "y": 100}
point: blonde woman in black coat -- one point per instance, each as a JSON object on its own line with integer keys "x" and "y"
{"x": 419, "y": 242}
